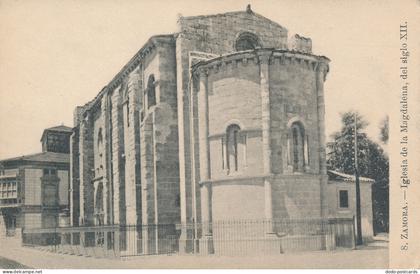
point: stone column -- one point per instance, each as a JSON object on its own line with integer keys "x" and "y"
{"x": 86, "y": 171}
{"x": 147, "y": 184}
{"x": 105, "y": 158}
{"x": 81, "y": 175}
{"x": 206, "y": 243}
{"x": 264, "y": 57}
{"x": 86, "y": 176}
{"x": 74, "y": 178}
{"x": 183, "y": 108}
{"x": 131, "y": 148}
{"x": 321, "y": 73}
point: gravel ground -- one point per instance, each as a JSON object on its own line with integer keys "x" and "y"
{"x": 372, "y": 256}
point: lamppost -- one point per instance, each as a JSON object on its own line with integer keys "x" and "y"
{"x": 359, "y": 240}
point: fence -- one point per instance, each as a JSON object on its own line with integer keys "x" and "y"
{"x": 224, "y": 238}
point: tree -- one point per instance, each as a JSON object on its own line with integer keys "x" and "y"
{"x": 372, "y": 163}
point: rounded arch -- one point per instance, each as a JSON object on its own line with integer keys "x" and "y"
{"x": 297, "y": 145}
{"x": 233, "y": 126}
{"x": 232, "y": 122}
{"x": 232, "y": 144}
{"x": 296, "y": 119}
{"x": 247, "y": 41}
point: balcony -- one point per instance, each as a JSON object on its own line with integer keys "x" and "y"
{"x": 9, "y": 203}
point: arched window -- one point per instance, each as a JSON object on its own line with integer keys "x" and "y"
{"x": 298, "y": 147}
{"x": 247, "y": 41}
{"x": 232, "y": 139}
{"x": 99, "y": 152}
{"x": 151, "y": 91}
{"x": 100, "y": 139}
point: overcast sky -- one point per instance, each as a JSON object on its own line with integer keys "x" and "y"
{"x": 55, "y": 55}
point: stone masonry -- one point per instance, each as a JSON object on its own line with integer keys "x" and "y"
{"x": 222, "y": 120}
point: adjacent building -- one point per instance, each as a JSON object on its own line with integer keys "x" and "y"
{"x": 342, "y": 199}
{"x": 34, "y": 189}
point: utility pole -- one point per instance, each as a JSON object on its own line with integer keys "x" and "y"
{"x": 359, "y": 240}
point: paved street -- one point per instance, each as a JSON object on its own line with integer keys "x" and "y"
{"x": 373, "y": 256}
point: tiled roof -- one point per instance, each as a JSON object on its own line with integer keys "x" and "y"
{"x": 51, "y": 157}
{"x": 61, "y": 128}
{"x": 332, "y": 174}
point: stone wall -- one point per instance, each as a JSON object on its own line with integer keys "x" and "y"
{"x": 300, "y": 43}
{"x": 86, "y": 163}
{"x": 218, "y": 33}
{"x": 296, "y": 197}
{"x": 211, "y": 34}
{"x": 131, "y": 121}
{"x": 238, "y": 200}
{"x": 130, "y": 150}
{"x": 235, "y": 85}
{"x": 118, "y": 161}
{"x": 32, "y": 186}
{"x": 63, "y": 187}
{"x": 159, "y": 142}
{"x": 293, "y": 96}
{"x": 234, "y": 98}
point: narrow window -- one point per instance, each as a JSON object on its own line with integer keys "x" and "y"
{"x": 299, "y": 149}
{"x": 100, "y": 139}
{"x": 289, "y": 156}
{"x": 295, "y": 149}
{"x": 232, "y": 134}
{"x": 222, "y": 142}
{"x": 244, "y": 140}
{"x": 151, "y": 91}
{"x": 128, "y": 112}
{"x": 307, "y": 160}
{"x": 344, "y": 199}
{"x": 235, "y": 147}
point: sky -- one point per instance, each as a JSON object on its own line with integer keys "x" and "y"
{"x": 55, "y": 55}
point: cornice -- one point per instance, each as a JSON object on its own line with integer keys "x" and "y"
{"x": 261, "y": 55}
{"x": 146, "y": 50}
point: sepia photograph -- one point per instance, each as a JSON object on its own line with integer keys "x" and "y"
{"x": 209, "y": 134}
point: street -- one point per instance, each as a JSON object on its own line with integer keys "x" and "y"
{"x": 374, "y": 255}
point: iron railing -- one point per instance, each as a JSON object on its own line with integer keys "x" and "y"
{"x": 224, "y": 237}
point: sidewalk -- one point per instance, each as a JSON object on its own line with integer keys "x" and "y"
{"x": 372, "y": 256}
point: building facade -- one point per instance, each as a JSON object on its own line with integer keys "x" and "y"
{"x": 223, "y": 120}
{"x": 342, "y": 199}
{"x": 34, "y": 188}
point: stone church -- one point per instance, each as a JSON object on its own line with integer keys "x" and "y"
{"x": 223, "y": 120}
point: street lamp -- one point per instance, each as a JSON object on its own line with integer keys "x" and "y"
{"x": 359, "y": 240}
